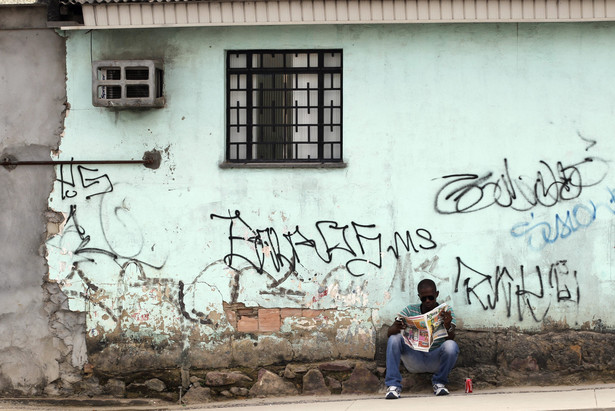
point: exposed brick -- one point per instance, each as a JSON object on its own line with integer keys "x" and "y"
{"x": 290, "y": 312}
{"x": 269, "y": 319}
{"x": 231, "y": 316}
{"x": 247, "y": 324}
{"x": 251, "y": 312}
{"x": 311, "y": 313}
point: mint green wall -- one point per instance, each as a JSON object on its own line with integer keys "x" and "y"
{"x": 420, "y": 102}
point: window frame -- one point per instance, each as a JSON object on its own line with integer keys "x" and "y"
{"x": 320, "y": 70}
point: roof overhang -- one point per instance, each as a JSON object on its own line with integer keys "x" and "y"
{"x": 98, "y": 14}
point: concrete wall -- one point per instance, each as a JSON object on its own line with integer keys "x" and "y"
{"x": 34, "y": 348}
{"x": 477, "y": 155}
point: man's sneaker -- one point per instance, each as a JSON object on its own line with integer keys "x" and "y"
{"x": 440, "y": 389}
{"x": 393, "y": 393}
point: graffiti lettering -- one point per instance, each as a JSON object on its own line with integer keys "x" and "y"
{"x": 86, "y": 182}
{"x": 540, "y": 234}
{"x": 72, "y": 225}
{"x": 361, "y": 246}
{"x": 467, "y": 193}
{"x": 530, "y": 290}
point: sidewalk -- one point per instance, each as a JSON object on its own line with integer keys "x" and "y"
{"x": 517, "y": 398}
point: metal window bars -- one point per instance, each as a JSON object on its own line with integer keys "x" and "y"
{"x": 284, "y": 106}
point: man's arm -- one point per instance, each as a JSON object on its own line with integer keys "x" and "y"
{"x": 447, "y": 316}
{"x": 396, "y": 328}
{"x": 451, "y": 332}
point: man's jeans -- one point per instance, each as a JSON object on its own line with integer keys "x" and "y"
{"x": 439, "y": 361}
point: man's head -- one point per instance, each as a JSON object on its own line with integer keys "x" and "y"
{"x": 428, "y": 294}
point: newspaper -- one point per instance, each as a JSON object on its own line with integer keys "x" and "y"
{"x": 422, "y": 330}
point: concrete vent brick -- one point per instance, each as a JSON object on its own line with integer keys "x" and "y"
{"x": 127, "y": 83}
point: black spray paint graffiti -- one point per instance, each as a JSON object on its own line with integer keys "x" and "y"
{"x": 257, "y": 247}
{"x": 467, "y": 193}
{"x": 532, "y": 289}
{"x": 97, "y": 293}
{"x": 91, "y": 183}
{"x": 94, "y": 243}
{"x": 102, "y": 183}
{"x": 78, "y": 240}
{"x": 88, "y": 253}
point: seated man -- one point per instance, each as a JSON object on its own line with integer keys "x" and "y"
{"x": 441, "y": 357}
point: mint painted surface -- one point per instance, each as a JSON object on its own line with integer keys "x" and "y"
{"x": 526, "y": 108}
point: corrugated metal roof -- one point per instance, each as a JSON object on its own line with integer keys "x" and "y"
{"x": 126, "y": 1}
{"x": 109, "y": 14}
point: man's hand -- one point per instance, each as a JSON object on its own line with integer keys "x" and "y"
{"x": 447, "y": 317}
{"x": 396, "y": 328}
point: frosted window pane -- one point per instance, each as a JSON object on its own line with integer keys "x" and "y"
{"x": 237, "y": 60}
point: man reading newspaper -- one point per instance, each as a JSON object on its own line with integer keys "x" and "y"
{"x": 434, "y": 352}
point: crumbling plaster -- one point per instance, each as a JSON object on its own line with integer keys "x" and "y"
{"x": 42, "y": 344}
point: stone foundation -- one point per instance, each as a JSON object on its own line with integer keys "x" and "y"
{"x": 490, "y": 358}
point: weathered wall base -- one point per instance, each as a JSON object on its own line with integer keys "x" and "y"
{"x": 491, "y": 359}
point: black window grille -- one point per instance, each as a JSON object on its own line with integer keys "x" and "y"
{"x": 284, "y": 106}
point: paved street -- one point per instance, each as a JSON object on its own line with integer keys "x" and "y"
{"x": 520, "y": 398}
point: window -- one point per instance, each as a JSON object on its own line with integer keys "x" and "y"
{"x": 284, "y": 106}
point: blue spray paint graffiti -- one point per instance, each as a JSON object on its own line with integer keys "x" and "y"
{"x": 540, "y": 234}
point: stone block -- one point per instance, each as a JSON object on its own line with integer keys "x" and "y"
{"x": 476, "y": 348}
{"x": 381, "y": 346}
{"x": 197, "y": 395}
{"x": 87, "y": 387}
{"x": 341, "y": 365}
{"x": 361, "y": 381}
{"x": 220, "y": 378}
{"x": 314, "y": 383}
{"x": 240, "y": 391}
{"x": 334, "y": 384}
{"x": 271, "y": 385}
{"x": 524, "y": 364}
{"x": 299, "y": 368}
{"x": 125, "y": 357}
{"x": 155, "y": 385}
